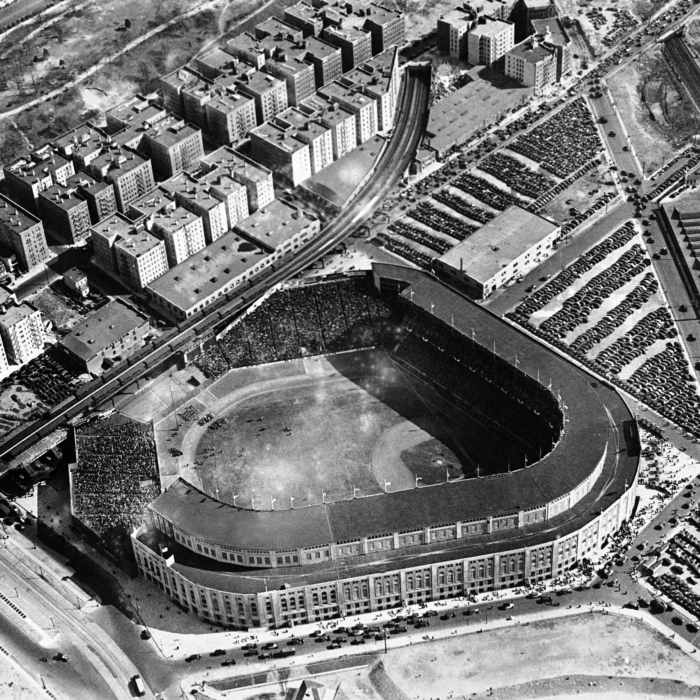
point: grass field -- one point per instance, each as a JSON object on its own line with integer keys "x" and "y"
{"x": 328, "y": 425}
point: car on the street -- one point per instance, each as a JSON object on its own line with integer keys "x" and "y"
{"x": 229, "y": 662}
{"x": 270, "y": 645}
{"x": 218, "y": 652}
{"x": 295, "y": 642}
{"x": 191, "y": 658}
{"x": 265, "y": 655}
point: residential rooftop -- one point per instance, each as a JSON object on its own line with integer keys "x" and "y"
{"x": 531, "y": 51}
{"x": 490, "y": 26}
{"x": 174, "y": 219}
{"x": 113, "y": 226}
{"x": 137, "y": 242}
{"x": 16, "y": 314}
{"x": 63, "y": 197}
{"x": 275, "y": 224}
{"x": 14, "y": 216}
{"x": 227, "y": 158}
{"x": 557, "y": 32}
{"x": 279, "y": 137}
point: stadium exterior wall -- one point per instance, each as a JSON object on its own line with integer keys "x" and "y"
{"x": 377, "y": 591}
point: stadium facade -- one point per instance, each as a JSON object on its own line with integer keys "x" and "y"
{"x": 242, "y": 568}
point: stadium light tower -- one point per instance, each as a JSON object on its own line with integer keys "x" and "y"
{"x": 387, "y": 484}
{"x": 418, "y": 478}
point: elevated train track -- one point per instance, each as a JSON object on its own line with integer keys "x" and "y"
{"x": 412, "y": 113}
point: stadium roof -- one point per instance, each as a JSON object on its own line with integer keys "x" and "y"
{"x": 497, "y": 243}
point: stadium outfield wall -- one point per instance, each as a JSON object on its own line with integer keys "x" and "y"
{"x": 242, "y": 568}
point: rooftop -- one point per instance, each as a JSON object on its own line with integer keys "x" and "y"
{"x": 375, "y": 74}
{"x": 63, "y": 197}
{"x": 15, "y": 314}
{"x": 281, "y": 138}
{"x": 349, "y": 33}
{"x": 117, "y": 158}
{"x": 137, "y": 242}
{"x": 152, "y": 202}
{"x": 245, "y": 42}
{"x": 490, "y": 26}
{"x": 459, "y": 17}
{"x": 182, "y": 77}
{"x": 87, "y": 183}
{"x": 228, "y": 101}
{"x": 381, "y": 15}
{"x": 531, "y": 51}
{"x": 275, "y": 224}
{"x": 74, "y": 275}
{"x": 171, "y": 131}
{"x": 13, "y": 216}
{"x": 496, "y": 244}
{"x": 275, "y": 27}
{"x": 346, "y": 94}
{"x": 227, "y": 158}
{"x": 260, "y": 82}
{"x": 328, "y": 111}
{"x": 557, "y": 33}
{"x": 104, "y": 328}
{"x": 207, "y": 271}
{"x": 319, "y": 48}
{"x": 113, "y": 226}
{"x": 217, "y": 58}
{"x": 138, "y": 109}
{"x": 301, "y": 122}
{"x": 174, "y": 219}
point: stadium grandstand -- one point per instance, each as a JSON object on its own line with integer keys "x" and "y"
{"x": 244, "y": 568}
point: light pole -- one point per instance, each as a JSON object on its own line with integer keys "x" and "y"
{"x": 418, "y": 478}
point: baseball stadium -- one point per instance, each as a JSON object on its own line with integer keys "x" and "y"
{"x": 378, "y": 440}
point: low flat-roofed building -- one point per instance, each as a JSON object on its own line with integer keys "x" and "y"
{"x": 65, "y": 213}
{"x": 256, "y": 178}
{"x": 312, "y": 132}
{"x": 489, "y": 40}
{"x": 22, "y": 332}
{"x": 130, "y": 173}
{"x": 379, "y": 79}
{"x": 214, "y": 63}
{"x": 306, "y": 17}
{"x": 209, "y": 274}
{"x": 229, "y": 116}
{"x": 502, "y": 250}
{"x": 269, "y": 93}
{"x": 279, "y": 228}
{"x": 181, "y": 230}
{"x": 280, "y": 151}
{"x": 141, "y": 257}
{"x": 387, "y": 27}
{"x": 99, "y": 195}
{"x": 76, "y": 280}
{"x": 355, "y": 44}
{"x": 341, "y": 122}
{"x": 22, "y": 235}
{"x": 348, "y": 96}
{"x": 111, "y": 333}
{"x": 452, "y": 30}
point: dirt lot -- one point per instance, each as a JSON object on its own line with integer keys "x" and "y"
{"x": 657, "y": 112}
{"x": 55, "y": 309}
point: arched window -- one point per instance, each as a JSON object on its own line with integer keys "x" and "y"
{"x": 427, "y": 580}
{"x": 472, "y": 572}
{"x": 441, "y": 578}
{"x": 324, "y": 598}
{"x": 333, "y": 596}
{"x": 283, "y": 604}
{"x": 293, "y": 603}
{"x": 315, "y": 598}
{"x": 301, "y": 600}
{"x": 355, "y": 592}
{"x": 378, "y": 588}
{"x": 396, "y": 585}
{"x": 482, "y": 571}
{"x": 419, "y": 581}
{"x": 365, "y": 590}
{"x": 409, "y": 582}
{"x": 512, "y": 566}
{"x": 346, "y": 592}
{"x": 450, "y": 576}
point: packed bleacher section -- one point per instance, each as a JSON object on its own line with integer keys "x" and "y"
{"x": 463, "y": 207}
{"x": 563, "y": 143}
{"x": 487, "y": 193}
{"x": 591, "y": 296}
{"x": 497, "y": 395}
{"x": 439, "y": 245}
{"x": 116, "y": 476}
{"x": 51, "y": 376}
{"x": 429, "y": 215}
{"x": 516, "y": 175}
{"x": 291, "y": 323}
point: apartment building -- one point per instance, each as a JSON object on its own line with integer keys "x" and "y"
{"x": 60, "y": 168}
{"x": 268, "y": 93}
{"x": 229, "y": 117}
{"x": 311, "y": 132}
{"x": 277, "y": 29}
{"x": 326, "y": 59}
{"x": 379, "y": 79}
{"x": 149, "y": 204}
{"x": 215, "y": 63}
{"x": 525, "y": 11}
{"x": 22, "y": 235}
{"x": 172, "y": 146}
{"x": 228, "y": 190}
{"x": 196, "y": 197}
{"x": 24, "y": 181}
{"x": 248, "y": 49}
{"x": 182, "y": 232}
{"x": 387, "y": 27}
{"x": 173, "y": 84}
{"x": 350, "y": 98}
{"x": 552, "y": 32}
{"x": 256, "y": 178}
{"x": 341, "y": 122}
{"x": 100, "y": 196}
{"x": 489, "y": 40}
{"x": 82, "y": 145}
{"x": 141, "y": 258}
{"x": 65, "y": 213}
{"x": 136, "y": 111}
{"x": 130, "y": 173}
{"x": 286, "y": 62}
{"x": 279, "y": 150}
{"x": 452, "y": 30}
{"x": 355, "y": 44}
{"x": 22, "y": 333}
{"x": 104, "y": 236}
{"x": 306, "y": 17}
{"x": 533, "y": 62}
